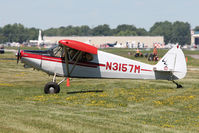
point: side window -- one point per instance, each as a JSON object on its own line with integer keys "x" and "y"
{"x": 73, "y": 54}
{"x": 86, "y": 57}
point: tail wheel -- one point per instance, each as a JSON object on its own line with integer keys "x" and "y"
{"x": 51, "y": 87}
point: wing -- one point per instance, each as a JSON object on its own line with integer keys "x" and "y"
{"x": 79, "y": 46}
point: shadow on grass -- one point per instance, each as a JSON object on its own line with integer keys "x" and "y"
{"x": 87, "y": 91}
{"x": 8, "y": 59}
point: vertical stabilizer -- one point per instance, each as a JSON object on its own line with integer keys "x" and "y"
{"x": 173, "y": 61}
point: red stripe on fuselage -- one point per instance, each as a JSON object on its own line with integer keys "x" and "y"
{"x": 60, "y": 60}
{"x": 146, "y": 70}
{"x": 103, "y": 65}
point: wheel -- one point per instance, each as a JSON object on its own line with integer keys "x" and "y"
{"x": 51, "y": 87}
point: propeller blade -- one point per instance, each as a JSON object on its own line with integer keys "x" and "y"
{"x": 18, "y": 55}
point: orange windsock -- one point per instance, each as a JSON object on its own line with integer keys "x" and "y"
{"x": 68, "y": 82}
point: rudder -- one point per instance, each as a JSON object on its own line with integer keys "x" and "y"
{"x": 174, "y": 62}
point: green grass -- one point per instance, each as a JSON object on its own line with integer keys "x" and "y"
{"x": 123, "y": 106}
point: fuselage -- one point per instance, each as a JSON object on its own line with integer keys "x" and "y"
{"x": 102, "y": 65}
{"x": 79, "y": 60}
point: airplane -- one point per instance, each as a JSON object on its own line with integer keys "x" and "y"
{"x": 74, "y": 59}
{"x": 112, "y": 44}
{"x": 40, "y": 41}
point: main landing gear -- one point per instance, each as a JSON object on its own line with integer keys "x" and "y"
{"x": 53, "y": 87}
{"x": 178, "y": 85}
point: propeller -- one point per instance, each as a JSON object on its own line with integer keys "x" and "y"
{"x": 18, "y": 55}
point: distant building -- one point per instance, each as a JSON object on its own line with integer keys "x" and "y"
{"x": 125, "y": 41}
{"x": 195, "y": 37}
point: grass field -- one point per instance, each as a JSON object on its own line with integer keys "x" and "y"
{"x": 123, "y": 106}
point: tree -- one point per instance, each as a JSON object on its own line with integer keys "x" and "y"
{"x": 102, "y": 30}
{"x": 181, "y": 33}
{"x": 178, "y": 32}
{"x": 162, "y": 29}
{"x": 141, "y": 32}
{"x": 124, "y": 29}
{"x": 196, "y": 28}
{"x": 2, "y": 37}
{"x": 84, "y": 30}
{"x": 18, "y": 33}
{"x": 50, "y": 32}
{"x": 70, "y": 31}
{"x": 32, "y": 33}
{"x": 126, "y": 33}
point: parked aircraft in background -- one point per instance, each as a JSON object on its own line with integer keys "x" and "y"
{"x": 40, "y": 41}
{"x": 112, "y": 44}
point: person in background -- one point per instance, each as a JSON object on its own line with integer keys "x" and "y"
{"x": 155, "y": 54}
{"x": 138, "y": 53}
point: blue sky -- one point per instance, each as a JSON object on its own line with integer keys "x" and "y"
{"x": 55, "y": 13}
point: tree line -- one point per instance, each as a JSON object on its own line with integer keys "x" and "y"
{"x": 17, "y": 33}
{"x": 176, "y": 32}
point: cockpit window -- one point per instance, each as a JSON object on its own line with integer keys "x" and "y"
{"x": 72, "y": 54}
{"x": 86, "y": 57}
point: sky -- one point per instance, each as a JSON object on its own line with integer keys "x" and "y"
{"x": 46, "y": 14}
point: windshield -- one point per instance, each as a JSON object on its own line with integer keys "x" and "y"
{"x": 56, "y": 51}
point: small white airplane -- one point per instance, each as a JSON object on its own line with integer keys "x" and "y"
{"x": 40, "y": 40}
{"x": 73, "y": 59}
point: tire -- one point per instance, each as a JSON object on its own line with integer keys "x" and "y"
{"x": 51, "y": 87}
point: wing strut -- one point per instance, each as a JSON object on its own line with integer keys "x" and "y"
{"x": 67, "y": 64}
{"x": 78, "y": 57}
{"x": 66, "y": 60}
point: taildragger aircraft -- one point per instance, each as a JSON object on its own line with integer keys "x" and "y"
{"x": 74, "y": 59}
